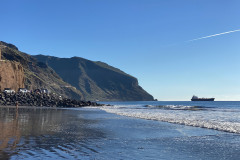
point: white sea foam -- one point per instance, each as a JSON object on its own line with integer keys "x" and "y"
{"x": 176, "y": 107}
{"x": 218, "y": 119}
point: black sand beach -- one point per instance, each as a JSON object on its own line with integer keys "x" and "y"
{"x": 90, "y": 133}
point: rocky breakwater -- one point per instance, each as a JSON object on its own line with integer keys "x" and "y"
{"x": 41, "y": 100}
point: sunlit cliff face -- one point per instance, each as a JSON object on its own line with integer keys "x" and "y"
{"x": 11, "y": 73}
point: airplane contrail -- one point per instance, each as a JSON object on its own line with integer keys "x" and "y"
{"x": 214, "y": 35}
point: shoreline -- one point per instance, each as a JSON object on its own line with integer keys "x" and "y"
{"x": 92, "y": 133}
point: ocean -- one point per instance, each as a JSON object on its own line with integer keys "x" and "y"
{"x": 217, "y": 115}
{"x": 127, "y": 130}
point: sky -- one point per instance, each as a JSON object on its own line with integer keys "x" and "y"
{"x": 175, "y": 48}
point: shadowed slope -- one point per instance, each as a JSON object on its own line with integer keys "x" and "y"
{"x": 97, "y": 80}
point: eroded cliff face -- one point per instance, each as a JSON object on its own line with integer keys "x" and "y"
{"x": 11, "y": 75}
{"x": 37, "y": 74}
{"x": 75, "y": 77}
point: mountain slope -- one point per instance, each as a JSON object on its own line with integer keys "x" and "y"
{"x": 37, "y": 74}
{"x": 96, "y": 80}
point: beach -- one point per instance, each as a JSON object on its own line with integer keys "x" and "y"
{"x": 91, "y": 133}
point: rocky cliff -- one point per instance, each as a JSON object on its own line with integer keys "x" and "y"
{"x": 36, "y": 74}
{"x": 75, "y": 77}
{"x": 11, "y": 75}
{"x": 96, "y": 80}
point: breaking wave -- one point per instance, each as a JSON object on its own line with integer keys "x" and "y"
{"x": 227, "y": 120}
{"x": 177, "y": 107}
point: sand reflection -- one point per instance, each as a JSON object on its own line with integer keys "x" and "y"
{"x": 10, "y": 131}
{"x": 29, "y": 131}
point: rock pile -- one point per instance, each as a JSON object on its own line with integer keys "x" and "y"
{"x": 36, "y": 99}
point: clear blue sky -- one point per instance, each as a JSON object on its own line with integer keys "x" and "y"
{"x": 145, "y": 38}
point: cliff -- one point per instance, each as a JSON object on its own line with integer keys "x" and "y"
{"x": 11, "y": 75}
{"x": 96, "y": 80}
{"x": 36, "y": 74}
{"x": 75, "y": 77}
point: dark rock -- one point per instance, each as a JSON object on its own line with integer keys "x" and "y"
{"x": 36, "y": 99}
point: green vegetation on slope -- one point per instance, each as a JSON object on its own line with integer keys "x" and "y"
{"x": 97, "y": 80}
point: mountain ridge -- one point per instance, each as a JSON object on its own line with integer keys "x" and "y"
{"x": 38, "y": 74}
{"x": 97, "y": 80}
{"x": 76, "y": 77}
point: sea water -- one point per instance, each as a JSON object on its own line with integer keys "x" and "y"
{"x": 217, "y": 115}
{"x": 127, "y": 130}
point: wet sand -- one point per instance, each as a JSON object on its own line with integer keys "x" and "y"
{"x": 90, "y": 133}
